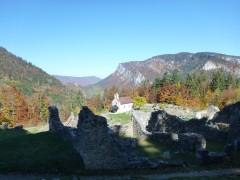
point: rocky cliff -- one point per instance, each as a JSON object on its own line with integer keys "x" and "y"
{"x": 133, "y": 73}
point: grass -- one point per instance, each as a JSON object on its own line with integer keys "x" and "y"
{"x": 215, "y": 146}
{"x": 154, "y": 150}
{"x": 45, "y": 152}
{"x": 122, "y": 118}
{"x": 40, "y": 152}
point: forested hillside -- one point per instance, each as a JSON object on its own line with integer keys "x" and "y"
{"x": 195, "y": 90}
{"x": 26, "y": 91}
{"x": 133, "y": 73}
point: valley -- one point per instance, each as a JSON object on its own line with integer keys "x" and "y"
{"x": 162, "y": 84}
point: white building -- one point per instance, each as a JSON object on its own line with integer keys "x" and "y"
{"x": 121, "y": 104}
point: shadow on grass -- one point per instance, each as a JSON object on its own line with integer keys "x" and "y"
{"x": 42, "y": 152}
{"x": 46, "y": 152}
{"x": 155, "y": 150}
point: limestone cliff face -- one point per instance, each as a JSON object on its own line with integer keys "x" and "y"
{"x": 133, "y": 73}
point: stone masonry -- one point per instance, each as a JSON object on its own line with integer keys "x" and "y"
{"x": 91, "y": 140}
{"x": 186, "y": 136}
{"x": 230, "y": 115}
{"x": 97, "y": 148}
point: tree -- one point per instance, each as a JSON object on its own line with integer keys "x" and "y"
{"x": 193, "y": 84}
{"x": 144, "y": 89}
{"x": 139, "y": 101}
{"x": 156, "y": 83}
{"x": 229, "y": 81}
{"x": 166, "y": 79}
{"x": 42, "y": 104}
{"x": 14, "y": 108}
{"x": 175, "y": 77}
{"x": 218, "y": 80}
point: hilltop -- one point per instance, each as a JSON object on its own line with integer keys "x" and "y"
{"x": 26, "y": 91}
{"x": 133, "y": 73}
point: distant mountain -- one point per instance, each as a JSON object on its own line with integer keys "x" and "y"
{"x": 133, "y": 73}
{"x": 83, "y": 81}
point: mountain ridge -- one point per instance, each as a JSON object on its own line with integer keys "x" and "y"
{"x": 82, "y": 81}
{"x": 134, "y": 72}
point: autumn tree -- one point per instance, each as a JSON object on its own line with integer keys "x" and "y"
{"x": 42, "y": 104}
{"x": 144, "y": 89}
{"x": 139, "y": 101}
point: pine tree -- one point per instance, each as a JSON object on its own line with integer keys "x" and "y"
{"x": 218, "y": 80}
{"x": 175, "y": 77}
{"x": 166, "y": 79}
{"x": 157, "y": 83}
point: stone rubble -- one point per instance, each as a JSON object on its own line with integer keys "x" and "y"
{"x": 101, "y": 148}
{"x": 169, "y": 129}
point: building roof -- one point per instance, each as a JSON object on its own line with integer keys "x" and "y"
{"x": 125, "y": 100}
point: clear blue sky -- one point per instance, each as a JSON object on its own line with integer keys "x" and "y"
{"x": 87, "y": 37}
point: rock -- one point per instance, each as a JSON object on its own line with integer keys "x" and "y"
{"x": 229, "y": 150}
{"x": 217, "y": 157}
{"x": 202, "y": 156}
{"x": 147, "y": 124}
{"x": 205, "y": 158}
{"x": 230, "y": 115}
{"x": 55, "y": 125}
{"x": 209, "y": 112}
{"x": 19, "y": 127}
{"x": 190, "y": 142}
{"x": 139, "y": 122}
{"x": 98, "y": 149}
{"x": 160, "y": 121}
{"x": 165, "y": 138}
{"x": 4, "y": 126}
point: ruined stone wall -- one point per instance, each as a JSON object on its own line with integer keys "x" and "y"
{"x": 55, "y": 125}
{"x": 230, "y": 115}
{"x": 97, "y": 148}
{"x": 201, "y": 126}
{"x": 139, "y": 123}
{"x": 91, "y": 139}
{"x": 161, "y": 122}
{"x": 186, "y": 136}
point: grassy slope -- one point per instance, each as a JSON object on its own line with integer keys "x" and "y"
{"x": 45, "y": 152}
{"x": 120, "y": 118}
{"x": 41, "y": 152}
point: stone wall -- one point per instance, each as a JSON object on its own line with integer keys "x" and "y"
{"x": 139, "y": 123}
{"x": 186, "y": 136}
{"x": 91, "y": 139}
{"x": 147, "y": 123}
{"x": 230, "y": 115}
{"x": 160, "y": 121}
{"x": 55, "y": 125}
{"x": 98, "y": 149}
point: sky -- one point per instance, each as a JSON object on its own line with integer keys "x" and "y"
{"x": 91, "y": 37}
